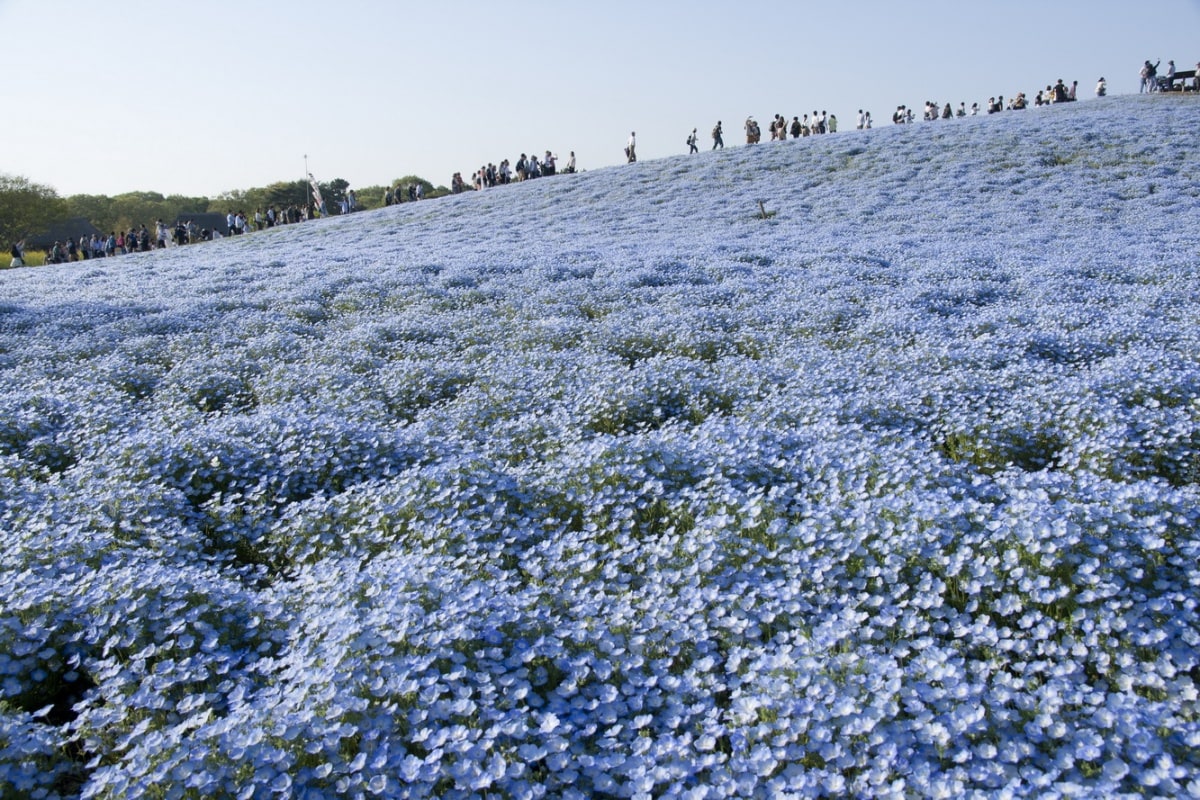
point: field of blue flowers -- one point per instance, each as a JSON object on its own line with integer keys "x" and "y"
{"x": 610, "y": 485}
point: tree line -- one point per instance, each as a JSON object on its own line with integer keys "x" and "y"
{"x": 28, "y": 209}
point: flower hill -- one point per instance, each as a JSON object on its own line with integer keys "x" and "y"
{"x": 622, "y": 484}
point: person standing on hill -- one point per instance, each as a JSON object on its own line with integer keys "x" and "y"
{"x": 691, "y": 143}
{"x": 631, "y": 147}
{"x": 753, "y": 133}
{"x": 1149, "y": 73}
{"x": 716, "y": 135}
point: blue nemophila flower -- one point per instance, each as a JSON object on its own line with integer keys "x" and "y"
{"x": 891, "y": 494}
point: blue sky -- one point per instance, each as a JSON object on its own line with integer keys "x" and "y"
{"x": 128, "y": 95}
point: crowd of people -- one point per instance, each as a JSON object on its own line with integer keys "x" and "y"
{"x": 779, "y": 128}
{"x": 1151, "y": 82}
{"x": 140, "y": 239}
{"x": 1057, "y": 92}
{"x": 529, "y": 167}
{"x": 822, "y": 122}
{"x": 136, "y": 240}
{"x": 395, "y": 195}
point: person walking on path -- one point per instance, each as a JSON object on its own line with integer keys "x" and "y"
{"x": 631, "y": 147}
{"x": 717, "y": 140}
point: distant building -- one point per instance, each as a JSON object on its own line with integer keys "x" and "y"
{"x": 71, "y": 228}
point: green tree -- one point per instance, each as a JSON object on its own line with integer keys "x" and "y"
{"x": 141, "y": 208}
{"x": 335, "y": 191}
{"x": 370, "y": 197}
{"x": 427, "y": 188}
{"x": 286, "y": 193}
{"x": 133, "y": 208}
{"x": 294, "y": 193}
{"x": 27, "y": 208}
{"x": 181, "y": 205}
{"x": 235, "y": 198}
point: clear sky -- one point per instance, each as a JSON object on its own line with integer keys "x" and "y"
{"x": 201, "y": 98}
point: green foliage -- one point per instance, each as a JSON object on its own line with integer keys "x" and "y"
{"x": 127, "y": 210}
{"x": 284, "y": 193}
{"x": 370, "y": 197}
{"x": 428, "y": 188}
{"x": 235, "y": 199}
{"x": 335, "y": 190}
{"x": 995, "y": 450}
{"x": 26, "y": 208}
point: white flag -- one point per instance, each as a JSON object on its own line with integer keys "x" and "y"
{"x": 316, "y": 190}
